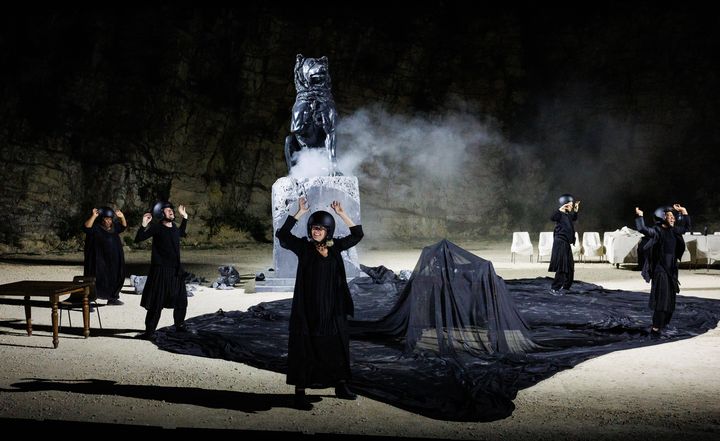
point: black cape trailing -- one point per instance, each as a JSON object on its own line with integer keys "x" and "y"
{"x": 454, "y": 341}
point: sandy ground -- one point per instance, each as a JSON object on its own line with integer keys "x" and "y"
{"x": 662, "y": 392}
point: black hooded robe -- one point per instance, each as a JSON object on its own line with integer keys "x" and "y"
{"x": 663, "y": 250}
{"x": 561, "y": 257}
{"x": 105, "y": 259}
{"x": 319, "y": 344}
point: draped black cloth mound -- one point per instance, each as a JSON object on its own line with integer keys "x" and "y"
{"x": 453, "y": 302}
{"x": 455, "y": 341}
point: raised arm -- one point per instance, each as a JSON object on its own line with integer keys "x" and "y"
{"x": 683, "y": 224}
{"x": 335, "y": 205}
{"x": 123, "y": 222}
{"x": 568, "y": 208}
{"x": 183, "y": 223}
{"x": 640, "y": 224}
{"x": 144, "y": 232}
{"x": 284, "y": 234}
{"x": 91, "y": 220}
{"x": 573, "y": 209}
{"x": 356, "y": 232}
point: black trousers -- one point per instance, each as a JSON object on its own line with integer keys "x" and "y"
{"x": 563, "y": 280}
{"x": 152, "y": 318}
{"x": 661, "y": 319}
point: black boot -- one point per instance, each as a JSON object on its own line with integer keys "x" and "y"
{"x": 343, "y": 392}
{"x": 655, "y": 332}
{"x": 301, "y": 400}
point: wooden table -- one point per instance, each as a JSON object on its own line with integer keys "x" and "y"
{"x": 50, "y": 290}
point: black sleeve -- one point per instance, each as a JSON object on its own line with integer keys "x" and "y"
{"x": 349, "y": 241}
{"x": 87, "y": 230}
{"x": 183, "y": 227}
{"x": 573, "y": 216}
{"x": 556, "y": 216}
{"x": 287, "y": 239}
{"x": 640, "y": 226}
{"x": 683, "y": 225}
{"x": 144, "y": 233}
{"x": 119, "y": 228}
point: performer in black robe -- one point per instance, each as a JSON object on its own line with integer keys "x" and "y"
{"x": 318, "y": 345}
{"x": 165, "y": 285}
{"x": 664, "y": 248}
{"x": 561, "y": 258}
{"x": 104, "y": 256}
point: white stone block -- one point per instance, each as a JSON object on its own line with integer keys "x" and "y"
{"x": 320, "y": 191}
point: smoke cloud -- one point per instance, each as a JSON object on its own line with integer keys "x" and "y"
{"x": 429, "y": 175}
{"x": 456, "y": 175}
{"x": 310, "y": 162}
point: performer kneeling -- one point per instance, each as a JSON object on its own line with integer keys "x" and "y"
{"x": 664, "y": 249}
{"x": 319, "y": 344}
{"x": 561, "y": 258}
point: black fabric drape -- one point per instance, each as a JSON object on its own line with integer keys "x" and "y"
{"x": 453, "y": 301}
{"x": 449, "y": 374}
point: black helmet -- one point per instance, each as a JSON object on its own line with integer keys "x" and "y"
{"x": 157, "y": 210}
{"x": 106, "y": 212}
{"x": 324, "y": 219}
{"x": 565, "y": 198}
{"x": 659, "y": 213}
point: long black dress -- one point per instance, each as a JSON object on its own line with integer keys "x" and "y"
{"x": 165, "y": 285}
{"x": 105, "y": 259}
{"x": 318, "y": 343}
{"x": 663, "y": 250}
{"x": 561, "y": 258}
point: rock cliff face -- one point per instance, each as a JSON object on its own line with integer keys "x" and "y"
{"x": 124, "y": 107}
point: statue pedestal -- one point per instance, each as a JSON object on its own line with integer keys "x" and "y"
{"x": 319, "y": 191}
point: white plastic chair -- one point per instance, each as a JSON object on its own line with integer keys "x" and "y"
{"x": 577, "y": 248}
{"x": 708, "y": 249}
{"x": 690, "y": 254}
{"x": 591, "y": 245}
{"x": 521, "y": 245}
{"x": 545, "y": 244}
{"x": 607, "y": 241}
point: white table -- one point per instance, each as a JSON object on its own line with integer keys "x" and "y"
{"x": 703, "y": 249}
{"x": 621, "y": 246}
